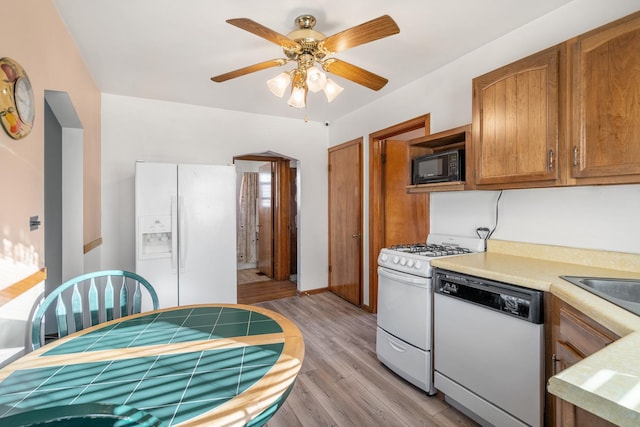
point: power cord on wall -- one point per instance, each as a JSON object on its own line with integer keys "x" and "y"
{"x": 497, "y": 213}
{"x": 483, "y": 232}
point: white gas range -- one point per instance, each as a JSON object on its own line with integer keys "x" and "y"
{"x": 404, "y": 334}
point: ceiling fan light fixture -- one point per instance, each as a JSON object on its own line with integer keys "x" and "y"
{"x": 307, "y": 47}
{"x": 316, "y": 79}
{"x": 278, "y": 85}
{"x": 298, "y": 97}
{"x": 332, "y": 90}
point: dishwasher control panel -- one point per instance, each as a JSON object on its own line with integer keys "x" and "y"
{"x": 509, "y": 299}
{"x": 515, "y": 305}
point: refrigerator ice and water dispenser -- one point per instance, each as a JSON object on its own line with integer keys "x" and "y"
{"x": 155, "y": 232}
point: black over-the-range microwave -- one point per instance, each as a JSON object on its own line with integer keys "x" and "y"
{"x": 438, "y": 167}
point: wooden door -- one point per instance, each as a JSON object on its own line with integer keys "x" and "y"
{"x": 345, "y": 221}
{"x": 265, "y": 220}
{"x": 405, "y": 215}
{"x": 293, "y": 223}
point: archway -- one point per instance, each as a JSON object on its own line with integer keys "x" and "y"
{"x": 276, "y": 206}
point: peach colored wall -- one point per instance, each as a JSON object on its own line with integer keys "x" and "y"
{"x": 34, "y": 35}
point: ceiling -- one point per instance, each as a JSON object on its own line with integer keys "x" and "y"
{"x": 168, "y": 49}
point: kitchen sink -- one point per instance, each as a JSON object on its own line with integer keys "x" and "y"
{"x": 622, "y": 292}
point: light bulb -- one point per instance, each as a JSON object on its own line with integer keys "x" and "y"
{"x": 332, "y": 89}
{"x": 279, "y": 83}
{"x": 315, "y": 79}
{"x": 297, "y": 98}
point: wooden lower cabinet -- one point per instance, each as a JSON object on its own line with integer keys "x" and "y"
{"x": 574, "y": 337}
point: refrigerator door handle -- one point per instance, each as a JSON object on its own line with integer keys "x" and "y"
{"x": 182, "y": 236}
{"x": 174, "y": 234}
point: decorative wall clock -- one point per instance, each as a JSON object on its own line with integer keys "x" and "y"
{"x": 17, "y": 108}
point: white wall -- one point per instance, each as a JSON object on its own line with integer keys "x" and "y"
{"x": 72, "y": 203}
{"x": 593, "y": 217}
{"x": 139, "y": 129}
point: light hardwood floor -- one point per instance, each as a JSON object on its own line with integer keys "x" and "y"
{"x": 251, "y": 275}
{"x": 341, "y": 382}
{"x": 252, "y": 290}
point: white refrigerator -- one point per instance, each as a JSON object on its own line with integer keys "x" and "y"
{"x": 186, "y": 232}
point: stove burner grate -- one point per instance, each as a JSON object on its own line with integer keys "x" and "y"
{"x": 430, "y": 250}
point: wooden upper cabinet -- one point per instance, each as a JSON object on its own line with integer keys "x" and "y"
{"x": 605, "y": 104}
{"x": 515, "y": 124}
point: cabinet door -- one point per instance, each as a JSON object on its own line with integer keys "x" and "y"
{"x": 565, "y": 411}
{"x": 515, "y": 122}
{"x": 576, "y": 336}
{"x": 568, "y": 415}
{"x": 605, "y": 111}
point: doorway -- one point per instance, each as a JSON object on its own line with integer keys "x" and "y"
{"x": 394, "y": 216}
{"x": 63, "y": 191}
{"x": 267, "y": 234}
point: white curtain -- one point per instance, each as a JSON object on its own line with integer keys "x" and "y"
{"x": 247, "y": 230}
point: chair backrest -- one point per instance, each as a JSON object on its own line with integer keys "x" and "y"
{"x": 90, "y": 299}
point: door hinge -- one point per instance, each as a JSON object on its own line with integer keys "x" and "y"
{"x": 329, "y": 269}
{"x": 383, "y": 158}
{"x": 328, "y": 168}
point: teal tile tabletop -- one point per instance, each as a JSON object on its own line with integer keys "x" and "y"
{"x": 228, "y": 364}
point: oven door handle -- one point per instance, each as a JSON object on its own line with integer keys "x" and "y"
{"x": 402, "y": 277}
{"x": 395, "y": 346}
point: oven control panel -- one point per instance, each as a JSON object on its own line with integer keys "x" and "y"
{"x": 408, "y": 263}
{"x": 401, "y": 260}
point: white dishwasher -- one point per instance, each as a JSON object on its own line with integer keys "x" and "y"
{"x": 488, "y": 349}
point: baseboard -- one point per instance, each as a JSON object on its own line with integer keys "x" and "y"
{"x": 312, "y": 292}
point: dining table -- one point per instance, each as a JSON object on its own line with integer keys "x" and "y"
{"x": 208, "y": 364}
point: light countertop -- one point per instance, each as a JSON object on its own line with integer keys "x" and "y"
{"x": 608, "y": 382}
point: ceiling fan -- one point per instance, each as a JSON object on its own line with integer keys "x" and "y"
{"x": 306, "y": 47}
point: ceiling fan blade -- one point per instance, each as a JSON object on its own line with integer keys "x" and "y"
{"x": 375, "y": 29}
{"x": 353, "y": 73}
{"x": 264, "y": 32}
{"x": 250, "y": 69}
